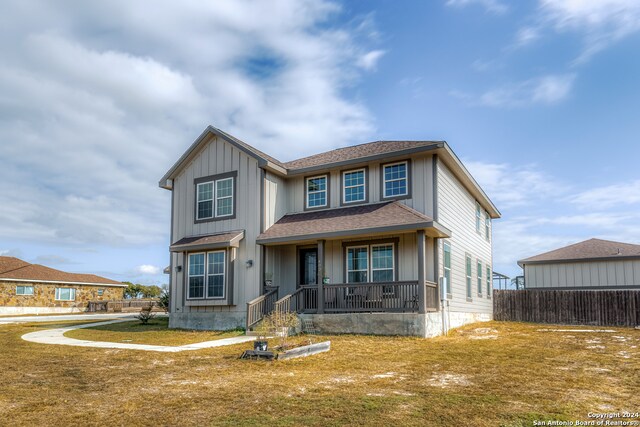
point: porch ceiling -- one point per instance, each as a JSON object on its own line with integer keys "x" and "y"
{"x": 209, "y": 241}
{"x": 363, "y": 220}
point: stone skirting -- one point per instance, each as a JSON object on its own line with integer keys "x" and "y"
{"x": 43, "y": 299}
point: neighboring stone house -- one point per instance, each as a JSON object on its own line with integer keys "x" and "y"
{"x": 589, "y": 265}
{"x": 33, "y": 289}
{"x": 359, "y": 239}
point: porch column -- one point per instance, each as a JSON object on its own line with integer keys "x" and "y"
{"x": 422, "y": 297}
{"x": 320, "y": 275}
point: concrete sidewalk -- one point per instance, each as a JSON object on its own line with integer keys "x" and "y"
{"x": 67, "y": 317}
{"x": 56, "y": 336}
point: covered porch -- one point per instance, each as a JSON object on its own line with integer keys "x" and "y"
{"x": 379, "y": 258}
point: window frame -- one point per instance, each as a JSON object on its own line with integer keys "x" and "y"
{"x": 479, "y": 280}
{"x": 488, "y": 281}
{"x": 445, "y": 268}
{"x": 487, "y": 226}
{"x": 205, "y": 275}
{"x": 478, "y": 218}
{"x": 72, "y": 294}
{"x": 213, "y": 180}
{"x": 327, "y": 178}
{"x": 469, "y": 277}
{"x": 383, "y": 181}
{"x": 23, "y": 294}
{"x": 343, "y": 187}
{"x": 369, "y": 245}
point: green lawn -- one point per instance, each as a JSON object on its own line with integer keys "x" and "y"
{"x": 510, "y": 375}
{"x": 155, "y": 333}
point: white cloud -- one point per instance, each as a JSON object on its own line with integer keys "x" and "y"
{"x": 545, "y": 90}
{"x": 94, "y": 110}
{"x": 493, "y": 6}
{"x": 369, "y": 60}
{"x": 526, "y": 35}
{"x": 610, "y": 196}
{"x": 148, "y": 269}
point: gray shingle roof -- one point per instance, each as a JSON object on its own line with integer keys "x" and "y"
{"x": 587, "y": 250}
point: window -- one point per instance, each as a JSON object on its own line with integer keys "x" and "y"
{"x": 479, "y": 278}
{"x": 487, "y": 226}
{"x": 447, "y": 266}
{"x": 215, "y": 197}
{"x": 100, "y": 292}
{"x": 24, "y": 290}
{"x": 395, "y": 180}
{"x": 213, "y": 270}
{"x": 371, "y": 263}
{"x": 468, "y": 270}
{"x": 65, "y": 294}
{"x": 317, "y": 191}
{"x": 488, "y": 280}
{"x": 478, "y": 218}
{"x": 354, "y": 187}
{"x": 358, "y": 264}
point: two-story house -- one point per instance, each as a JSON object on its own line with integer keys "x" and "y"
{"x": 389, "y": 237}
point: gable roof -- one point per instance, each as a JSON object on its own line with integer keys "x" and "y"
{"x": 370, "y": 151}
{"x": 589, "y": 250}
{"x": 16, "y": 269}
{"x": 350, "y": 221}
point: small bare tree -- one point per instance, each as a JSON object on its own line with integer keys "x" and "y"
{"x": 279, "y": 323}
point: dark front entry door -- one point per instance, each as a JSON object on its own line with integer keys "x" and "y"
{"x": 308, "y": 266}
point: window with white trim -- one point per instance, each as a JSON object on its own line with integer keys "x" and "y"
{"x": 479, "y": 278}
{"x": 372, "y": 263}
{"x": 24, "y": 290}
{"x": 478, "y": 218}
{"x": 354, "y": 186}
{"x": 487, "y": 226}
{"x": 65, "y": 294}
{"x": 447, "y": 265}
{"x": 214, "y": 199}
{"x": 469, "y": 272}
{"x": 395, "y": 179}
{"x": 316, "y": 187}
{"x": 487, "y": 278}
{"x": 206, "y": 275}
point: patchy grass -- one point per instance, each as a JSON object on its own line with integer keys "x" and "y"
{"x": 156, "y": 332}
{"x": 516, "y": 376}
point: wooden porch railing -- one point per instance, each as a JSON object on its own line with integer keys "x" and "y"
{"x": 361, "y": 297}
{"x": 260, "y": 307}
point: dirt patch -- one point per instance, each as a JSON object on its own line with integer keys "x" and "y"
{"x": 448, "y": 380}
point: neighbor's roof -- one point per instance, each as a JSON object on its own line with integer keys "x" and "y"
{"x": 209, "y": 241}
{"x": 592, "y": 249}
{"x": 16, "y": 269}
{"x": 370, "y": 219}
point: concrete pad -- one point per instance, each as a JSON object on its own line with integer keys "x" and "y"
{"x": 56, "y": 336}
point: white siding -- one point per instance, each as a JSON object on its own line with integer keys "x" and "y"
{"x": 593, "y": 274}
{"x": 456, "y": 211}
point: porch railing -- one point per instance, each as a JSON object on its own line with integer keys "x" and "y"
{"x": 361, "y": 297}
{"x": 261, "y": 306}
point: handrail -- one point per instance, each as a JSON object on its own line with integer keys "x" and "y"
{"x": 284, "y": 304}
{"x": 258, "y": 307}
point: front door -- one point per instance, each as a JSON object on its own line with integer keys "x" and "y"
{"x": 308, "y": 266}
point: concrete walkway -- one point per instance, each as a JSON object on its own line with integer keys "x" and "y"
{"x": 67, "y": 317}
{"x": 56, "y": 336}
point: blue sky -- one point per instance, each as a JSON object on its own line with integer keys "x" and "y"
{"x": 539, "y": 98}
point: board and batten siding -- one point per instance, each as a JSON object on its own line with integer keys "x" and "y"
{"x": 457, "y": 212}
{"x": 588, "y": 274}
{"x": 421, "y": 185}
{"x": 217, "y": 157}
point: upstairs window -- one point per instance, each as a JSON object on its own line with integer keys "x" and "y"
{"x": 487, "y": 226}
{"x": 447, "y": 266}
{"x": 215, "y": 197}
{"x": 354, "y": 186}
{"x": 317, "y": 191}
{"x": 395, "y": 177}
{"x": 478, "y": 218}
{"x": 65, "y": 294}
{"x": 24, "y": 290}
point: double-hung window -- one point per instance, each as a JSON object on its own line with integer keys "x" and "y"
{"x": 371, "y": 263}
{"x": 487, "y": 278}
{"x": 215, "y": 197}
{"x": 24, "y": 290}
{"x": 395, "y": 179}
{"x": 468, "y": 269}
{"x": 487, "y": 226}
{"x": 447, "y": 266}
{"x": 65, "y": 294}
{"x": 206, "y": 277}
{"x": 478, "y": 218}
{"x": 354, "y": 186}
{"x": 316, "y": 196}
{"x": 479, "y": 278}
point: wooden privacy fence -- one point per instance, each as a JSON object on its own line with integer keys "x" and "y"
{"x": 598, "y": 308}
{"x": 122, "y": 305}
